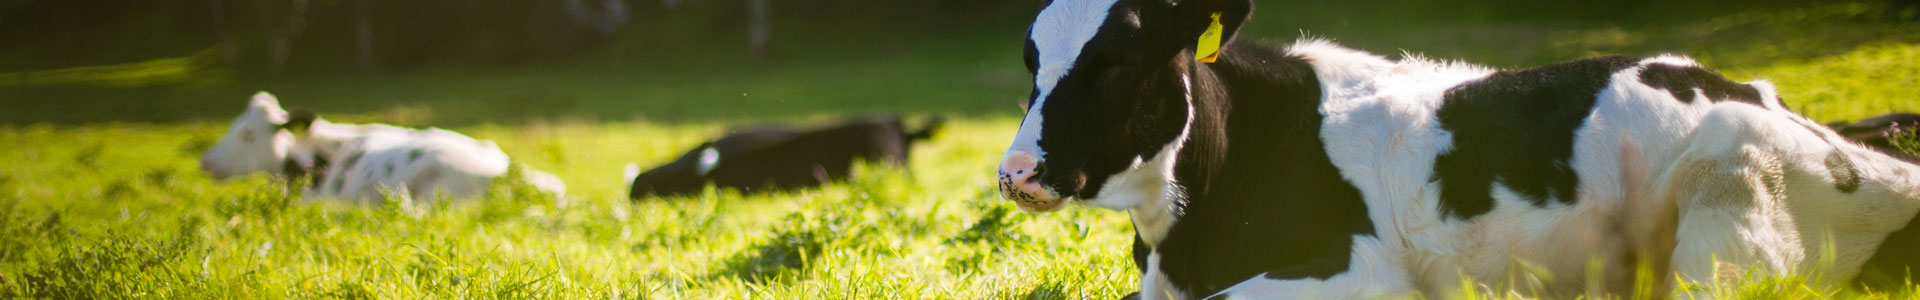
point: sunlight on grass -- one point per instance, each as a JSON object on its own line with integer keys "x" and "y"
{"x": 158, "y": 228}
{"x": 1867, "y": 82}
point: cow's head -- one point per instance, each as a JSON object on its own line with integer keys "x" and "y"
{"x": 685, "y": 176}
{"x": 1111, "y": 101}
{"x": 258, "y": 141}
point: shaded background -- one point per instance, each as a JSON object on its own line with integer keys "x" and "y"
{"x": 456, "y": 62}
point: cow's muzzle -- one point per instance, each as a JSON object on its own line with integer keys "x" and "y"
{"x": 1020, "y": 182}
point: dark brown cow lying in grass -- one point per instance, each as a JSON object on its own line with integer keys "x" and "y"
{"x": 777, "y": 157}
{"x": 1880, "y": 133}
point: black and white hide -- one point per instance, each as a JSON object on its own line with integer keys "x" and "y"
{"x": 361, "y": 162}
{"x": 1888, "y": 269}
{"x": 781, "y": 158}
{"x": 1313, "y": 171}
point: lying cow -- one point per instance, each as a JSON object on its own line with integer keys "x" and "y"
{"x": 1879, "y": 132}
{"x": 360, "y": 162}
{"x": 1320, "y": 172}
{"x": 780, "y": 158}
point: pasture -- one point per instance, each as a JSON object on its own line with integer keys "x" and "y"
{"x": 98, "y": 200}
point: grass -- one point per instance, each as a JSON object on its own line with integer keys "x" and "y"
{"x": 92, "y": 209}
{"x": 1865, "y": 82}
{"x": 1907, "y": 140}
{"x": 136, "y": 219}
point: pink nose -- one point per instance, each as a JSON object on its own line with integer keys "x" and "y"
{"x": 1020, "y": 182}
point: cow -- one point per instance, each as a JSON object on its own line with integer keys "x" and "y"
{"x": 1315, "y": 171}
{"x": 360, "y": 162}
{"x": 780, "y": 158}
{"x": 1880, "y": 132}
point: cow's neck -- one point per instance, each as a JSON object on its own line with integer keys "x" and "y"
{"x": 1262, "y": 195}
{"x": 1264, "y": 96}
{"x": 314, "y": 149}
{"x": 326, "y": 138}
{"x": 1204, "y": 144}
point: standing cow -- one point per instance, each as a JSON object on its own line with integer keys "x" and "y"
{"x": 1320, "y": 172}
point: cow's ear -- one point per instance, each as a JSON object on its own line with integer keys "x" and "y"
{"x": 1188, "y": 20}
{"x": 299, "y": 121}
{"x": 265, "y": 100}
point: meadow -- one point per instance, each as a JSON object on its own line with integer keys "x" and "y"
{"x": 98, "y": 200}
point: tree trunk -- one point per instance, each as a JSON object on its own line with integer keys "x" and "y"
{"x": 759, "y": 34}
{"x": 227, "y": 53}
{"x": 363, "y": 35}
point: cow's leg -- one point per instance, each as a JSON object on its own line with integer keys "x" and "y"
{"x": 423, "y": 180}
{"x": 1766, "y": 193}
{"x": 354, "y": 185}
{"x": 1731, "y": 225}
{"x": 1727, "y": 186}
{"x": 1374, "y": 273}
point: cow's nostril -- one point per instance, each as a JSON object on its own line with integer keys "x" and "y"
{"x": 1034, "y": 178}
{"x": 1020, "y": 171}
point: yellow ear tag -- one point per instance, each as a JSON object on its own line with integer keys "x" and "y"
{"x": 1209, "y": 49}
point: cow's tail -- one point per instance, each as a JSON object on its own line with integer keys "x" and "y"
{"x": 927, "y": 130}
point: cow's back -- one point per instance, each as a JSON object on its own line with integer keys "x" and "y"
{"x": 423, "y": 164}
{"x": 814, "y": 157}
{"x": 1487, "y": 173}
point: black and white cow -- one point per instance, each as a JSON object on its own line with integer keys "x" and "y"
{"x": 780, "y": 157}
{"x": 1888, "y": 270}
{"x": 360, "y": 162}
{"x": 1320, "y": 172}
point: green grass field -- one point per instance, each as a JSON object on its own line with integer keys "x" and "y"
{"x": 101, "y": 215}
{"x": 105, "y": 209}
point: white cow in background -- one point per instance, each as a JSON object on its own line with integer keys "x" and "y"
{"x": 361, "y": 162}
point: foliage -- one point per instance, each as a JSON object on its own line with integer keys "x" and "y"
{"x": 1907, "y": 140}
